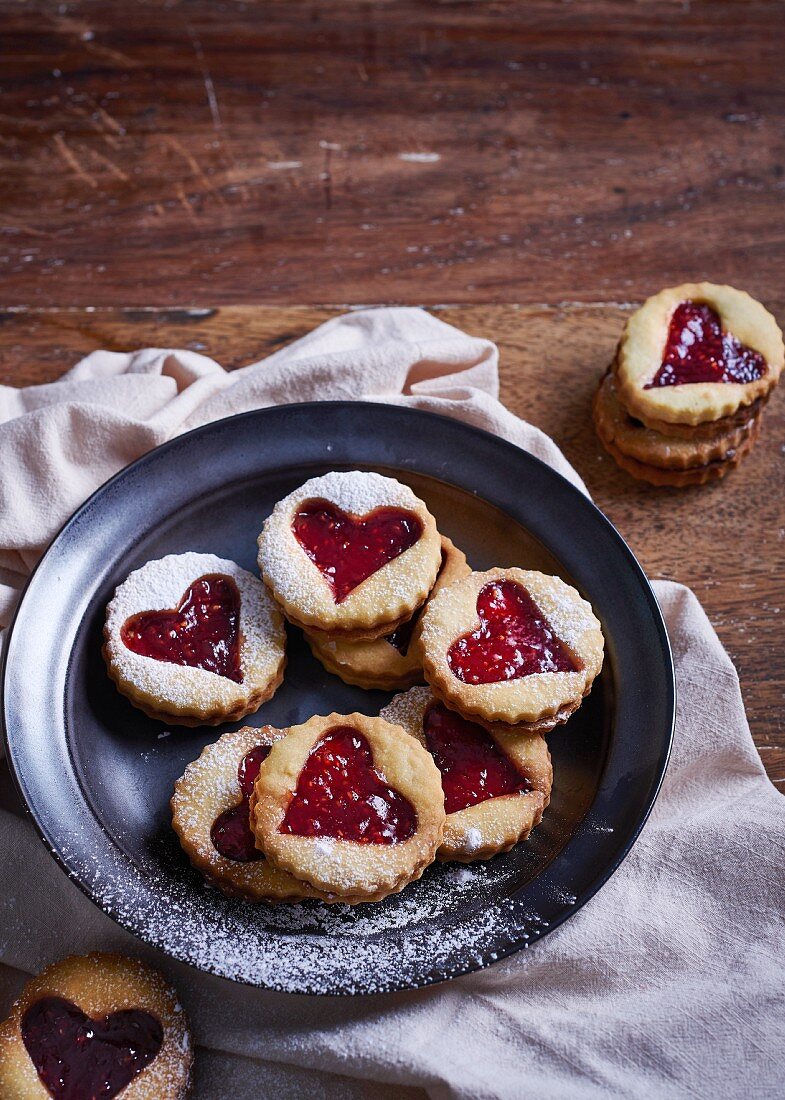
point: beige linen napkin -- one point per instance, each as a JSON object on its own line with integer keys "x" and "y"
{"x": 668, "y": 983}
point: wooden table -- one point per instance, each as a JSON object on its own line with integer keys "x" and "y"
{"x": 181, "y": 174}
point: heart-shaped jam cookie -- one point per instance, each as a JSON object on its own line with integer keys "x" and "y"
{"x": 697, "y": 350}
{"x": 472, "y": 766}
{"x": 495, "y": 786}
{"x": 347, "y": 549}
{"x": 513, "y": 640}
{"x": 231, "y": 832}
{"x": 340, "y": 794}
{"x": 351, "y": 805}
{"x": 203, "y": 631}
{"x": 79, "y": 1058}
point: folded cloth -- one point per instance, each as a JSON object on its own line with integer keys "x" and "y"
{"x": 668, "y": 983}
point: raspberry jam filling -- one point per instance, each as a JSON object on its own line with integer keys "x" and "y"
{"x": 78, "y": 1058}
{"x": 473, "y": 768}
{"x": 347, "y": 550}
{"x": 514, "y": 639}
{"x": 203, "y": 632}
{"x": 231, "y": 832}
{"x": 697, "y": 350}
{"x": 341, "y": 795}
{"x": 401, "y": 638}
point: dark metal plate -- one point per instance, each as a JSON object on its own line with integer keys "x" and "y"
{"x": 97, "y": 775}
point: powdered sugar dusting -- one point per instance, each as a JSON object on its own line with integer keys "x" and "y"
{"x": 445, "y": 922}
{"x": 390, "y": 593}
{"x": 160, "y": 585}
{"x": 111, "y": 983}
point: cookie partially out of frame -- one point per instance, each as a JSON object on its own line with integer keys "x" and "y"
{"x": 96, "y": 1025}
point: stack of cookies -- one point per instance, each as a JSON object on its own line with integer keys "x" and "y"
{"x": 682, "y": 400}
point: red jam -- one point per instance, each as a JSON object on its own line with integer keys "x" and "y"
{"x": 347, "y": 550}
{"x": 231, "y": 832}
{"x": 514, "y": 639}
{"x": 78, "y": 1058}
{"x": 697, "y": 350}
{"x": 341, "y": 795}
{"x": 473, "y": 768}
{"x": 402, "y": 637}
{"x": 204, "y": 631}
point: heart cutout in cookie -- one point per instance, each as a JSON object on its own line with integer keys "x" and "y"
{"x": 78, "y": 1058}
{"x": 472, "y": 765}
{"x": 231, "y": 831}
{"x": 514, "y": 639}
{"x": 341, "y": 795}
{"x": 348, "y": 549}
{"x": 203, "y": 631}
{"x": 697, "y": 350}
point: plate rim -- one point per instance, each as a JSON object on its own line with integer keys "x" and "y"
{"x": 487, "y": 958}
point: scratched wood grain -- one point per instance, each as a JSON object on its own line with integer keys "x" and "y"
{"x": 204, "y": 153}
{"x": 726, "y": 541}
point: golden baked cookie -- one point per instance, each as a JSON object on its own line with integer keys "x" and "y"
{"x": 210, "y": 816}
{"x": 495, "y": 788}
{"x": 631, "y": 436}
{"x": 541, "y": 725}
{"x": 350, "y": 553}
{"x": 510, "y": 646}
{"x": 193, "y": 639}
{"x": 393, "y": 662}
{"x": 695, "y": 353}
{"x": 349, "y": 804}
{"x": 678, "y": 479}
{"x": 96, "y": 1025}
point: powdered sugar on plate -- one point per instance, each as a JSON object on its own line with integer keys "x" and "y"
{"x": 446, "y": 922}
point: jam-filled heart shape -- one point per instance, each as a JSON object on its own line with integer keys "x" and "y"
{"x": 231, "y": 831}
{"x": 472, "y": 765}
{"x": 697, "y": 350}
{"x": 514, "y": 639}
{"x": 340, "y": 794}
{"x": 78, "y": 1058}
{"x": 348, "y": 549}
{"x": 203, "y": 631}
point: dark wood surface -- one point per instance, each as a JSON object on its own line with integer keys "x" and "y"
{"x": 208, "y": 153}
{"x": 182, "y": 173}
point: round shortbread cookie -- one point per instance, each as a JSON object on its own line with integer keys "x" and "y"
{"x": 108, "y": 1024}
{"x": 393, "y": 662}
{"x": 510, "y": 646}
{"x": 351, "y": 805}
{"x": 631, "y": 436}
{"x": 695, "y": 353}
{"x": 350, "y": 553}
{"x": 167, "y": 603}
{"x": 496, "y": 787}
